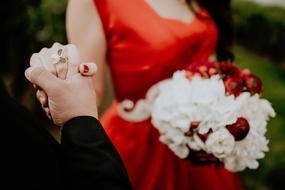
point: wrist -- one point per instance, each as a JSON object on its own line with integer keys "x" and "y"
{"x": 84, "y": 113}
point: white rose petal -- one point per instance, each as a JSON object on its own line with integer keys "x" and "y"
{"x": 220, "y": 143}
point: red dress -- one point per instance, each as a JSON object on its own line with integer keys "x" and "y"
{"x": 144, "y": 48}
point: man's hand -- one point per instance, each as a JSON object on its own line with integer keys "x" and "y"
{"x": 72, "y": 97}
{"x": 86, "y": 69}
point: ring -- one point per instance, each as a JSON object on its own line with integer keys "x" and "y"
{"x": 60, "y": 62}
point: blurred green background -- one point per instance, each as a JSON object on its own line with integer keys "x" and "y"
{"x": 260, "y": 37}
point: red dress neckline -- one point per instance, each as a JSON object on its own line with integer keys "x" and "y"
{"x": 180, "y": 22}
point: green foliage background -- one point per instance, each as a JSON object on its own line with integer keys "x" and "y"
{"x": 260, "y": 28}
{"x": 47, "y": 22}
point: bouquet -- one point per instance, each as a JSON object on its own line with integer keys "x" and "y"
{"x": 215, "y": 111}
{"x": 212, "y": 112}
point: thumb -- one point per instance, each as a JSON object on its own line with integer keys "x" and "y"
{"x": 42, "y": 78}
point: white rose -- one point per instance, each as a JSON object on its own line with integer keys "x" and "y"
{"x": 180, "y": 150}
{"x": 206, "y": 91}
{"x": 174, "y": 139}
{"x": 195, "y": 143}
{"x": 220, "y": 143}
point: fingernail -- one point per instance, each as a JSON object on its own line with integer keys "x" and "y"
{"x": 28, "y": 73}
{"x": 42, "y": 99}
{"x": 85, "y": 69}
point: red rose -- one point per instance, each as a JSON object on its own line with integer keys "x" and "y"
{"x": 213, "y": 71}
{"x": 230, "y": 70}
{"x": 194, "y": 124}
{"x": 239, "y": 129}
{"x": 189, "y": 133}
{"x": 202, "y": 158}
{"x": 196, "y": 66}
{"x": 203, "y": 69}
{"x": 233, "y": 86}
{"x": 245, "y": 72}
{"x": 197, "y": 74}
{"x": 189, "y": 74}
{"x": 204, "y": 136}
{"x": 253, "y": 84}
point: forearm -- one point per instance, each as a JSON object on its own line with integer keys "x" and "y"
{"x": 89, "y": 158}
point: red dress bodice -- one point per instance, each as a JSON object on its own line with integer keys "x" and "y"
{"x": 142, "y": 49}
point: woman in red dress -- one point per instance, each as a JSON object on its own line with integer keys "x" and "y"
{"x": 144, "y": 42}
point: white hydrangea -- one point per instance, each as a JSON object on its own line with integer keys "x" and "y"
{"x": 181, "y": 101}
{"x": 220, "y": 143}
{"x": 257, "y": 111}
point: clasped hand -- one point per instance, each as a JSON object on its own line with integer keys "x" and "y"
{"x": 66, "y": 91}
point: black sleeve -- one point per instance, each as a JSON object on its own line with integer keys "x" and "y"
{"x": 90, "y": 161}
{"x": 28, "y": 160}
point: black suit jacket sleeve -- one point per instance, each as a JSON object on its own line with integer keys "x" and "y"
{"x": 28, "y": 157}
{"x": 90, "y": 161}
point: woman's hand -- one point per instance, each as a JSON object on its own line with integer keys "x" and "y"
{"x": 63, "y": 61}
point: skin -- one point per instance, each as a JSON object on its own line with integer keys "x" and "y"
{"x": 69, "y": 98}
{"x": 85, "y": 69}
{"x": 89, "y": 38}
{"x": 89, "y": 35}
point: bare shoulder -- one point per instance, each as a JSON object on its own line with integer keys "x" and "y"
{"x": 82, "y": 4}
{"x": 82, "y": 14}
{"x": 84, "y": 29}
{"x": 82, "y": 9}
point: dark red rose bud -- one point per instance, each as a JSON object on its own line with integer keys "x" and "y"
{"x": 233, "y": 86}
{"x": 230, "y": 70}
{"x": 213, "y": 71}
{"x": 197, "y": 74}
{"x": 204, "y": 136}
{"x": 189, "y": 74}
{"x": 239, "y": 129}
{"x": 194, "y": 124}
{"x": 189, "y": 133}
{"x": 245, "y": 72}
{"x": 202, "y": 64}
{"x": 253, "y": 84}
{"x": 202, "y": 158}
{"x": 203, "y": 69}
